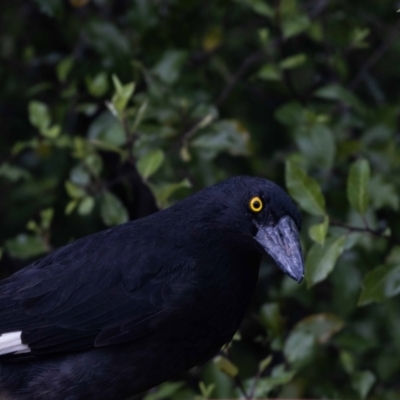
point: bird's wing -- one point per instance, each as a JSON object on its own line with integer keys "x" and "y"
{"x": 104, "y": 289}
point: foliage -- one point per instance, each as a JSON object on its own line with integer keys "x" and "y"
{"x": 111, "y": 109}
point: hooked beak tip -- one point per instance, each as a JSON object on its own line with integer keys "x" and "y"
{"x": 298, "y": 279}
{"x": 282, "y": 243}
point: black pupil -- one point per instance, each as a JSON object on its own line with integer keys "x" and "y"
{"x": 257, "y": 204}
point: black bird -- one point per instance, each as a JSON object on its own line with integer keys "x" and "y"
{"x": 120, "y": 311}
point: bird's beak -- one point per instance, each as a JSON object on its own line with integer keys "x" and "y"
{"x": 282, "y": 243}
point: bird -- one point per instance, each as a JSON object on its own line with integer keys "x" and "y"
{"x": 116, "y": 313}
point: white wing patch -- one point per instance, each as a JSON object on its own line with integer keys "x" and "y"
{"x": 12, "y": 343}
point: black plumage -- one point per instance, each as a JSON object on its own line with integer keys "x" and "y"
{"x": 120, "y": 311}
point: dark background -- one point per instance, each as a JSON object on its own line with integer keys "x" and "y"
{"x": 302, "y": 93}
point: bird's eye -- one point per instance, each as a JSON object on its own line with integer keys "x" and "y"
{"x": 256, "y": 204}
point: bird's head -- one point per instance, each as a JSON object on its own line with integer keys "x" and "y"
{"x": 261, "y": 215}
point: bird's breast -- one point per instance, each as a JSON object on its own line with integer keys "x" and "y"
{"x": 216, "y": 306}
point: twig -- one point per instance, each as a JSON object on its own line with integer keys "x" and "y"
{"x": 286, "y": 74}
{"x": 258, "y": 56}
{"x": 366, "y": 229}
{"x": 247, "y": 63}
{"x": 239, "y": 385}
{"x": 130, "y": 139}
{"x": 357, "y": 228}
{"x": 317, "y": 8}
{"x": 236, "y": 379}
{"x": 329, "y": 51}
{"x": 255, "y": 383}
{"x": 200, "y": 123}
{"x": 375, "y": 57}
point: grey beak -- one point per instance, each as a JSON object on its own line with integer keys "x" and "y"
{"x": 282, "y": 243}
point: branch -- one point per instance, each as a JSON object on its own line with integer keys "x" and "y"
{"x": 254, "y": 386}
{"x": 129, "y": 139}
{"x": 366, "y": 229}
{"x": 247, "y": 63}
{"x": 316, "y": 8}
{"x": 237, "y": 381}
{"x": 376, "y": 56}
{"x": 286, "y": 74}
{"x": 239, "y": 385}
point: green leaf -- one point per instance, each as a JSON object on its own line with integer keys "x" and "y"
{"x": 139, "y": 115}
{"x": 100, "y": 145}
{"x": 394, "y": 256}
{"x": 317, "y": 143}
{"x": 223, "y": 383}
{"x": 272, "y": 319}
{"x": 299, "y": 347}
{"x": 304, "y": 190}
{"x": 294, "y": 24}
{"x": 264, "y": 35}
{"x": 279, "y": 376}
{"x": 46, "y": 217}
{"x": 107, "y": 39}
{"x": 89, "y": 109}
{"x": 164, "y": 391}
{"x": 291, "y": 114}
{"x": 383, "y": 193}
{"x": 293, "y": 61}
{"x": 380, "y": 283}
{"x": 39, "y": 115}
{"x": 98, "y": 85}
{"x": 74, "y": 191}
{"x": 226, "y": 366}
{"x": 119, "y": 88}
{"x": 318, "y": 232}
{"x": 86, "y": 205}
{"x": 105, "y": 128}
{"x": 348, "y": 361}
{"x": 20, "y": 146}
{"x": 13, "y": 173}
{"x": 164, "y": 191}
{"x": 169, "y": 67}
{"x": 321, "y": 259}
{"x": 258, "y": 6}
{"x": 265, "y": 363}
{"x": 25, "y": 246}
{"x": 314, "y": 330}
{"x": 64, "y": 68}
{"x": 357, "y": 185}
{"x": 33, "y": 227}
{"x": 206, "y": 390}
{"x": 222, "y": 136}
{"x": 51, "y": 133}
{"x": 71, "y": 206}
{"x": 39, "y": 88}
{"x": 358, "y": 37}
{"x": 94, "y": 163}
{"x": 322, "y": 326}
{"x": 150, "y": 163}
{"x": 122, "y": 95}
{"x": 50, "y": 7}
{"x": 339, "y": 93}
{"x": 80, "y": 175}
{"x": 362, "y": 382}
{"x": 269, "y": 72}
{"x": 112, "y": 211}
{"x": 315, "y": 31}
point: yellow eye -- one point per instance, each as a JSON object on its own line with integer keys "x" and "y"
{"x": 256, "y": 204}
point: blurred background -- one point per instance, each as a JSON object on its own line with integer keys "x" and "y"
{"x": 110, "y": 110}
